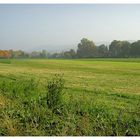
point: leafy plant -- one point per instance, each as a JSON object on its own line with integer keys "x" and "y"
{"x": 55, "y": 88}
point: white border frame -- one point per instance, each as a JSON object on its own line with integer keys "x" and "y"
{"x": 70, "y": 1}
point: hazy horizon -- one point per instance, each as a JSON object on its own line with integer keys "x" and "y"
{"x": 61, "y": 26}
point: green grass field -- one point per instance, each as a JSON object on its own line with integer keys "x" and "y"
{"x": 101, "y": 97}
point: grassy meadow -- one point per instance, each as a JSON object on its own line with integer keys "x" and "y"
{"x": 101, "y": 97}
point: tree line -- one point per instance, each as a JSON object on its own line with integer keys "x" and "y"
{"x": 85, "y": 49}
{"x": 22, "y": 54}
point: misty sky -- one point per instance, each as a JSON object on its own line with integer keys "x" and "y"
{"x": 61, "y": 26}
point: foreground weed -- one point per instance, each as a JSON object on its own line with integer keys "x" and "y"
{"x": 54, "y": 92}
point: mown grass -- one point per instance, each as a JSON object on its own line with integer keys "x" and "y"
{"x": 101, "y": 97}
{"x": 6, "y": 61}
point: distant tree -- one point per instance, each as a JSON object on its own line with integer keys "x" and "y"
{"x": 102, "y": 51}
{"x": 11, "y": 51}
{"x": 86, "y": 48}
{"x": 54, "y": 55}
{"x": 125, "y": 49}
{"x": 72, "y": 53}
{"x": 119, "y": 48}
{"x": 5, "y": 54}
{"x": 44, "y": 54}
{"x": 35, "y": 54}
{"x": 18, "y": 54}
{"x": 69, "y": 54}
{"x": 66, "y": 54}
{"x": 135, "y": 49}
{"x": 114, "y": 49}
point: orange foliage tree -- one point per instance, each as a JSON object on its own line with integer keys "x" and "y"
{"x": 5, "y": 54}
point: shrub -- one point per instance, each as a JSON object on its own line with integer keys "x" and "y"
{"x": 55, "y": 88}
